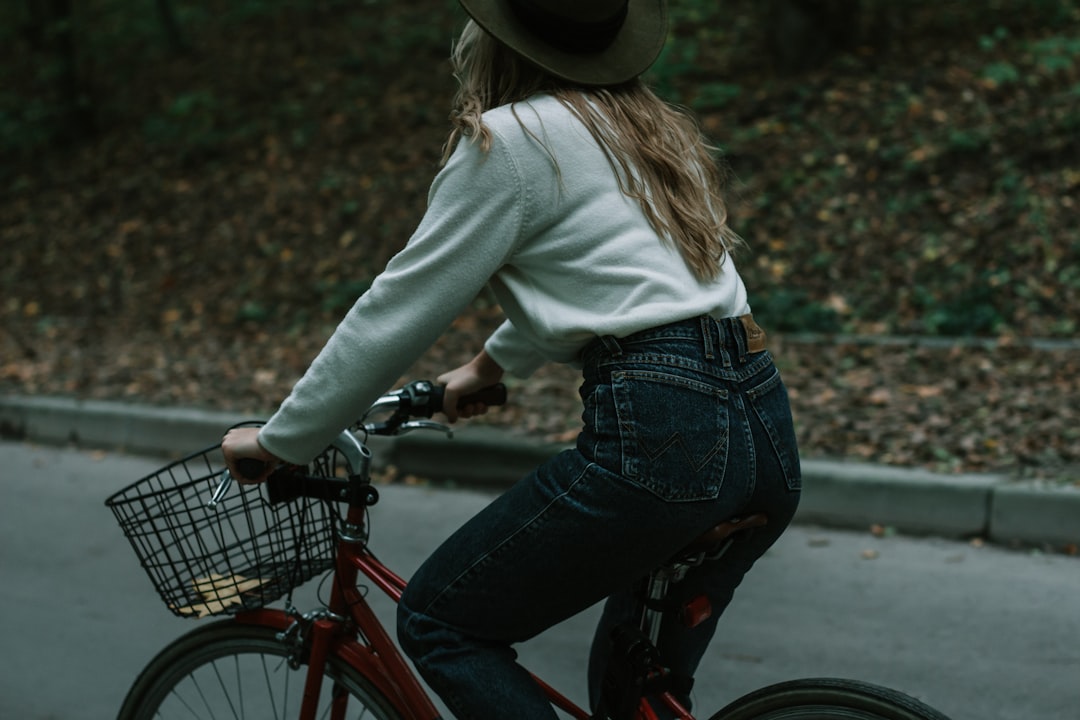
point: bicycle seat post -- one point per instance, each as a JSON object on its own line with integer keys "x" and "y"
{"x": 656, "y": 588}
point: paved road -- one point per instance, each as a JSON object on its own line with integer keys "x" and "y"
{"x": 981, "y": 633}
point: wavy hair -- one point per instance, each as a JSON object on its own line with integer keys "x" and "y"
{"x": 658, "y": 151}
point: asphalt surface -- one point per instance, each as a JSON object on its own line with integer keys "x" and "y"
{"x": 978, "y": 631}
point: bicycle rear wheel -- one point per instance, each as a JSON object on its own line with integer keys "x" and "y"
{"x": 827, "y": 699}
{"x": 241, "y": 671}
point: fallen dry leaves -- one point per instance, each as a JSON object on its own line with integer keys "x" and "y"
{"x": 1013, "y": 410}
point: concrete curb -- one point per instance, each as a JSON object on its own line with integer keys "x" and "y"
{"x": 837, "y": 494}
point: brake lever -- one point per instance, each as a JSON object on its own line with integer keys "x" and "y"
{"x": 398, "y": 425}
{"x": 222, "y": 488}
{"x": 425, "y": 425}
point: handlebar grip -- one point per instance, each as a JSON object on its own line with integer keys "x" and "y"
{"x": 490, "y": 396}
{"x": 250, "y": 468}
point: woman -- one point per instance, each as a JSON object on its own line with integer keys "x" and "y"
{"x": 593, "y": 210}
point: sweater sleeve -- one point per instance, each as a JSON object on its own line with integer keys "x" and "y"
{"x": 474, "y": 219}
{"x": 513, "y": 352}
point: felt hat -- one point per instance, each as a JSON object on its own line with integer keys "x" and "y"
{"x": 591, "y": 42}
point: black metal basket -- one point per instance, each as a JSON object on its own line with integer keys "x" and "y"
{"x": 242, "y": 554}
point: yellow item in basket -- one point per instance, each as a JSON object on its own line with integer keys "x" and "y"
{"x": 219, "y": 592}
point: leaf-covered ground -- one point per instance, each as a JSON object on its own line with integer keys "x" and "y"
{"x": 200, "y": 248}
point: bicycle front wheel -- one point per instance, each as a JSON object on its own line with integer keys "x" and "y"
{"x": 827, "y": 699}
{"x": 242, "y": 671}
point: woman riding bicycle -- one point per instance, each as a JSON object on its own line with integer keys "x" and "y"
{"x": 594, "y": 212}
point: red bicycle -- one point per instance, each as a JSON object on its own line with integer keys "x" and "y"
{"x": 240, "y": 551}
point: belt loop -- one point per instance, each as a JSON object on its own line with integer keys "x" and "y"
{"x": 738, "y": 334}
{"x": 723, "y": 333}
{"x": 707, "y": 324}
{"x": 611, "y": 345}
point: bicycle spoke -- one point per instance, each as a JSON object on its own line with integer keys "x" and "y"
{"x": 285, "y": 684}
{"x": 225, "y": 691}
{"x": 202, "y": 696}
{"x": 184, "y": 702}
{"x": 269, "y": 686}
{"x": 240, "y": 687}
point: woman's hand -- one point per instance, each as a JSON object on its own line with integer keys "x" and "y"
{"x": 243, "y": 444}
{"x": 479, "y": 373}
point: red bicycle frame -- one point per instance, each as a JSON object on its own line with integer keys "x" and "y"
{"x": 377, "y": 657}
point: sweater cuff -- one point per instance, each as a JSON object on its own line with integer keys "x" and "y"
{"x": 282, "y": 451}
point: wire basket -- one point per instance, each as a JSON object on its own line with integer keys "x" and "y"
{"x": 242, "y": 554}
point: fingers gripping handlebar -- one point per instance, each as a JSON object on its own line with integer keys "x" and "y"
{"x": 424, "y": 399}
{"x": 250, "y": 468}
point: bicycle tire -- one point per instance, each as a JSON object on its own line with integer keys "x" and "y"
{"x": 827, "y": 699}
{"x": 231, "y": 670}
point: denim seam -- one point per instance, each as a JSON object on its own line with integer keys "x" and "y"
{"x": 677, "y": 380}
{"x": 791, "y": 476}
{"x": 759, "y": 390}
{"x": 751, "y": 480}
{"x": 752, "y": 368}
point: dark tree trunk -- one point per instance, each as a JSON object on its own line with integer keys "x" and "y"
{"x": 37, "y": 21}
{"x": 79, "y": 119}
{"x": 803, "y": 34}
{"x": 171, "y": 28}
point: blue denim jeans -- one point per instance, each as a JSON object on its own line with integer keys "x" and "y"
{"x": 684, "y": 428}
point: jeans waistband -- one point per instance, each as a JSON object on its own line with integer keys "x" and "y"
{"x": 740, "y": 336}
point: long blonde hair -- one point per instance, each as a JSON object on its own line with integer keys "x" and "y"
{"x": 658, "y": 151}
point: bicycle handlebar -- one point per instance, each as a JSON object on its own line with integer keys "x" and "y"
{"x": 423, "y": 398}
{"x": 418, "y": 399}
{"x": 250, "y": 468}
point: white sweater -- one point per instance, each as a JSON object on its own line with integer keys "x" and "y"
{"x": 568, "y": 256}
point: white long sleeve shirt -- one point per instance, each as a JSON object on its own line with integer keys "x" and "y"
{"x": 567, "y": 254}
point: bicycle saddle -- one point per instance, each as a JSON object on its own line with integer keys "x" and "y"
{"x": 711, "y": 539}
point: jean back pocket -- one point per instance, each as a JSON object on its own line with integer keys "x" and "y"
{"x": 673, "y": 433}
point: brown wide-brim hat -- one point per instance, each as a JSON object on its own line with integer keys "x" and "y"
{"x": 591, "y": 42}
